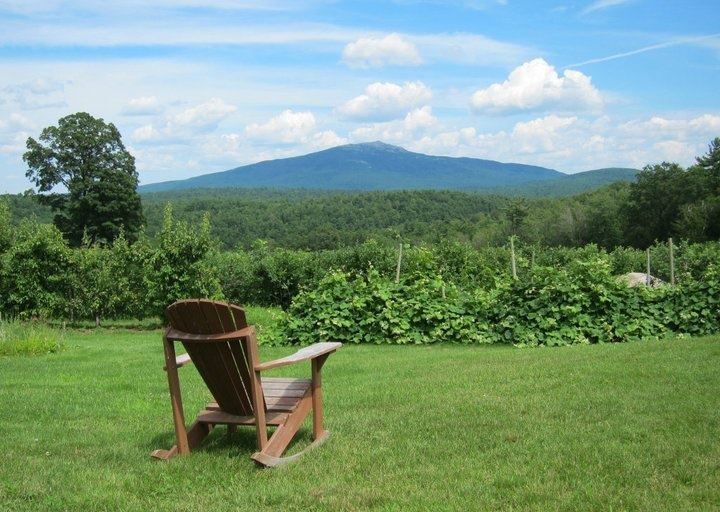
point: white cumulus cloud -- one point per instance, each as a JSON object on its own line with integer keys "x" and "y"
{"x": 142, "y": 106}
{"x": 326, "y": 139}
{"x": 392, "y": 49}
{"x": 287, "y": 127}
{"x": 292, "y": 128}
{"x": 706, "y": 126}
{"x": 541, "y": 134}
{"x": 404, "y": 130}
{"x": 14, "y": 144}
{"x": 675, "y": 150}
{"x": 145, "y": 133}
{"x": 572, "y": 143}
{"x": 535, "y": 85}
{"x": 185, "y": 126}
{"x": 14, "y": 134}
{"x": 201, "y": 118}
{"x": 385, "y": 100}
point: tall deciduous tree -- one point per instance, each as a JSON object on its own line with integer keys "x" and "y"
{"x": 86, "y": 156}
{"x": 655, "y": 201}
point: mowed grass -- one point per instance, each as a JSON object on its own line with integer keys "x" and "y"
{"x": 608, "y": 427}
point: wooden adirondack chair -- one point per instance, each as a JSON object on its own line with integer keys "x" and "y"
{"x": 223, "y": 348}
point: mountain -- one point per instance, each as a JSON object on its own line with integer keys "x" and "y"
{"x": 368, "y": 166}
{"x": 380, "y": 166}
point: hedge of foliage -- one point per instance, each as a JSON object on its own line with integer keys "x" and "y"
{"x": 581, "y": 303}
{"x": 40, "y": 276}
{"x": 273, "y": 277}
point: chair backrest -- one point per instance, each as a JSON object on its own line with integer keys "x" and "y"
{"x": 225, "y": 366}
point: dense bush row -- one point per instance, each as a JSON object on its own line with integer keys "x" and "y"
{"x": 40, "y": 276}
{"x": 267, "y": 276}
{"x": 581, "y": 303}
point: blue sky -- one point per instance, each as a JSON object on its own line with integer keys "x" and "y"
{"x": 201, "y": 86}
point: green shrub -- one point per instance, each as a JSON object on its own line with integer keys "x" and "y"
{"x": 36, "y": 272}
{"x": 237, "y": 276}
{"x": 693, "y": 307}
{"x": 582, "y": 303}
{"x": 373, "y": 309}
{"x": 28, "y": 338}
{"x": 5, "y": 226}
{"x": 178, "y": 268}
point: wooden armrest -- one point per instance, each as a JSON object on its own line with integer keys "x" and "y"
{"x": 175, "y": 335}
{"x": 304, "y": 354}
{"x": 181, "y": 360}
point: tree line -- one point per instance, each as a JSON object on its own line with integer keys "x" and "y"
{"x": 666, "y": 200}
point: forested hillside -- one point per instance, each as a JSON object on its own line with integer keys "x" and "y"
{"x": 666, "y": 200}
{"x": 301, "y": 219}
{"x": 368, "y": 166}
{"x": 570, "y": 184}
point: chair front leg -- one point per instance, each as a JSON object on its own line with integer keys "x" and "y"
{"x": 317, "y": 406}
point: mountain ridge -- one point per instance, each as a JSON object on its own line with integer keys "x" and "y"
{"x": 372, "y": 166}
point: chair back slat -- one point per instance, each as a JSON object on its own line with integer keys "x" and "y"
{"x": 238, "y": 315}
{"x": 232, "y": 317}
{"x": 177, "y": 318}
{"x": 246, "y": 351}
{"x": 223, "y": 365}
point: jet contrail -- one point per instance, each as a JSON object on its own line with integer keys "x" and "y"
{"x": 674, "y": 42}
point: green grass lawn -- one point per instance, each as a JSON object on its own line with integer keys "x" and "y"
{"x": 605, "y": 427}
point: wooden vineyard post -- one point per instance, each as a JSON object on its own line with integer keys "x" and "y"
{"x": 672, "y": 262}
{"x": 397, "y": 271}
{"x": 647, "y": 271}
{"x": 512, "y": 257}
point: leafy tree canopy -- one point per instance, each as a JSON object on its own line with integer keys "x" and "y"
{"x": 710, "y": 163}
{"x": 85, "y": 156}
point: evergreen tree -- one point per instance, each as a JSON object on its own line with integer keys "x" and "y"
{"x": 710, "y": 163}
